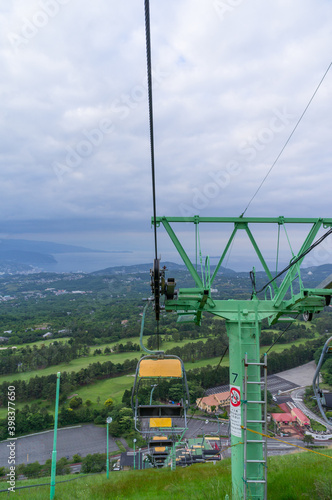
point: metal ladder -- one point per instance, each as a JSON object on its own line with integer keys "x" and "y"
{"x": 255, "y": 444}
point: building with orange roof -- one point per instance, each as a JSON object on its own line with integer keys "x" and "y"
{"x": 221, "y": 399}
{"x": 283, "y": 418}
{"x": 301, "y": 418}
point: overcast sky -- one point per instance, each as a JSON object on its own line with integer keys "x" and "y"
{"x": 231, "y": 79}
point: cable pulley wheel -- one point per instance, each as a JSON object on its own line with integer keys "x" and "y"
{"x": 307, "y": 316}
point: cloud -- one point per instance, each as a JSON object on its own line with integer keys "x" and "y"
{"x": 231, "y": 78}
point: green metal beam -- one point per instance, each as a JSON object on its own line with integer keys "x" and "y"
{"x": 251, "y": 220}
{"x": 293, "y": 270}
{"x": 182, "y": 252}
{"x": 260, "y": 256}
{"x": 224, "y": 254}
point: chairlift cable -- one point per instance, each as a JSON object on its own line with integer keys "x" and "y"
{"x": 289, "y": 138}
{"x": 282, "y": 333}
{"x": 149, "y": 76}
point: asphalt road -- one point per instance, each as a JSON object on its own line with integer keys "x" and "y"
{"x": 83, "y": 439}
{"x": 297, "y": 397}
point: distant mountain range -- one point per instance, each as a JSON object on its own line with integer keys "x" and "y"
{"x": 145, "y": 268}
{"x": 22, "y": 257}
{"x": 311, "y": 276}
{"x": 42, "y": 247}
{"x": 19, "y": 255}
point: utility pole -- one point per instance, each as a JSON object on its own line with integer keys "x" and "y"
{"x": 108, "y": 421}
{"x": 134, "y": 441}
{"x": 53, "y": 466}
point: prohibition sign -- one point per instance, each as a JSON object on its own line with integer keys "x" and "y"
{"x": 235, "y": 396}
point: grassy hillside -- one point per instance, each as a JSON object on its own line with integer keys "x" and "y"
{"x": 115, "y": 387}
{"x": 79, "y": 363}
{"x": 290, "y": 477}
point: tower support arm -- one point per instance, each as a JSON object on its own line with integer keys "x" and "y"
{"x": 224, "y": 254}
{"x": 261, "y": 258}
{"x": 181, "y": 251}
{"x": 293, "y": 270}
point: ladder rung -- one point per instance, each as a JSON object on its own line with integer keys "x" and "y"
{"x": 256, "y": 441}
{"x": 256, "y": 461}
{"x": 256, "y": 421}
{"x": 256, "y": 481}
{"x": 260, "y": 383}
{"x": 257, "y": 402}
{"x": 254, "y": 364}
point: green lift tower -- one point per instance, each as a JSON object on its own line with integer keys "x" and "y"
{"x": 243, "y": 322}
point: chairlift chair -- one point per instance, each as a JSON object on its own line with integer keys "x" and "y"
{"x": 160, "y": 416}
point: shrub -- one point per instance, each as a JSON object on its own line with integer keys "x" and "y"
{"x": 75, "y": 402}
{"x": 94, "y": 463}
{"x": 99, "y": 420}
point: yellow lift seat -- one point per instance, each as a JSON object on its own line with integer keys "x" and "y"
{"x": 161, "y": 441}
{"x": 160, "y": 422}
{"x": 160, "y": 368}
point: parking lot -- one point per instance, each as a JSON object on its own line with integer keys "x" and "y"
{"x": 82, "y": 439}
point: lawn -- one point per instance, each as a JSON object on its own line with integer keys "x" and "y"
{"x": 290, "y": 477}
{"x": 79, "y": 363}
{"x": 115, "y": 387}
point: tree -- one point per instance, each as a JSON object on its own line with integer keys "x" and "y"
{"x": 126, "y": 424}
{"x": 308, "y": 439}
{"x": 31, "y": 470}
{"x": 75, "y": 402}
{"x": 62, "y": 467}
{"x": 176, "y": 393}
{"x": 99, "y": 420}
{"x": 94, "y": 463}
{"x": 115, "y": 429}
{"x": 47, "y": 467}
{"x": 152, "y": 342}
{"x": 176, "y": 336}
{"x": 126, "y": 398}
{"x": 109, "y": 402}
{"x": 125, "y": 412}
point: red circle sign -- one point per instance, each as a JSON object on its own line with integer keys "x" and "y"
{"x": 235, "y": 396}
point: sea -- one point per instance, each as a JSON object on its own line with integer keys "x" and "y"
{"x": 88, "y": 262}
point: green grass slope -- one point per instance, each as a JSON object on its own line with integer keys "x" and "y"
{"x": 116, "y": 386}
{"x": 290, "y": 477}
